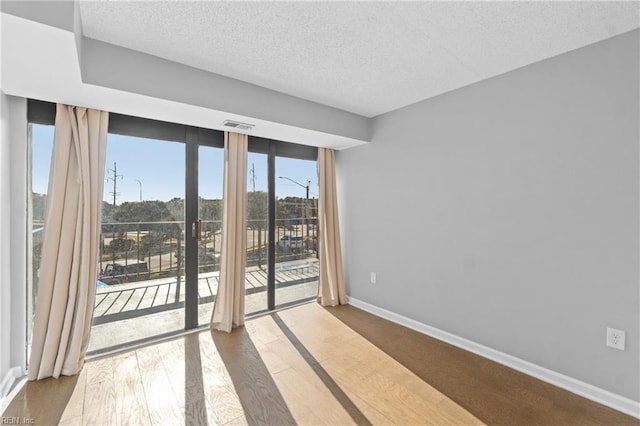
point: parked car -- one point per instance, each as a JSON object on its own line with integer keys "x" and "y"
{"x": 291, "y": 243}
{"x": 114, "y": 269}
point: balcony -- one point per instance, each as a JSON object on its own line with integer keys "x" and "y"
{"x": 141, "y": 287}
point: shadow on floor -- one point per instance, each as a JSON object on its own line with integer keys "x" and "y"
{"x": 492, "y": 392}
{"x": 358, "y": 417}
{"x": 261, "y": 400}
{"x": 195, "y": 405}
{"x": 52, "y": 396}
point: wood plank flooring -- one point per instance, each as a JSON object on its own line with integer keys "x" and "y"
{"x": 304, "y": 365}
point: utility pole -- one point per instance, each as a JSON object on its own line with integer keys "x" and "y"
{"x": 253, "y": 176}
{"x": 115, "y": 177}
{"x": 306, "y": 210}
{"x": 115, "y": 195}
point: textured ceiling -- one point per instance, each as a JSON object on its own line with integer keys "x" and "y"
{"x": 364, "y": 57}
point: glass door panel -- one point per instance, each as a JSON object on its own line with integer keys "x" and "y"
{"x": 141, "y": 288}
{"x": 296, "y": 267}
{"x": 257, "y": 226}
{"x": 41, "y": 148}
{"x": 210, "y": 188}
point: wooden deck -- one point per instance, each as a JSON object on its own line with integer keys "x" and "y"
{"x": 132, "y": 312}
{"x": 123, "y": 301}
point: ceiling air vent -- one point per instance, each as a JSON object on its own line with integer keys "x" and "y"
{"x": 238, "y": 125}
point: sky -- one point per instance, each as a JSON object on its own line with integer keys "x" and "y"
{"x": 158, "y": 168}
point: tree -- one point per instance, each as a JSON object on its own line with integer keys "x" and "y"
{"x": 210, "y": 211}
{"x": 121, "y": 244}
{"x": 176, "y": 208}
{"x": 107, "y": 212}
{"x": 291, "y": 210}
{"x": 142, "y": 211}
{"x": 257, "y": 213}
{"x": 257, "y": 209}
{"x": 38, "y": 203}
{"x": 151, "y": 216}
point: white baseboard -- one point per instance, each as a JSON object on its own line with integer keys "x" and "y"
{"x": 604, "y": 397}
{"x": 6, "y": 391}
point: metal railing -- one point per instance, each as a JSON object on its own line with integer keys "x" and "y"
{"x": 136, "y": 251}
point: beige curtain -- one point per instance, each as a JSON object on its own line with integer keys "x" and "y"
{"x": 228, "y": 311}
{"x": 331, "y": 291}
{"x": 68, "y": 272}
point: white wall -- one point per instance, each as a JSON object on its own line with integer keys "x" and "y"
{"x": 507, "y": 213}
{"x": 103, "y": 76}
{"x": 5, "y": 227}
{"x": 13, "y": 139}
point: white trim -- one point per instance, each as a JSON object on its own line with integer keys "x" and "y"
{"x": 604, "y": 397}
{"x": 6, "y": 393}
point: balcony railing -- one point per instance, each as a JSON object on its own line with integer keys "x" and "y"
{"x": 141, "y": 274}
{"x": 136, "y": 251}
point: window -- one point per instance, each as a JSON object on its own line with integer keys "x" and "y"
{"x": 160, "y": 245}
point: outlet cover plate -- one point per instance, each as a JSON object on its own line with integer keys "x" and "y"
{"x": 615, "y": 338}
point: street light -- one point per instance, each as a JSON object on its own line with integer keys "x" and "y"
{"x": 139, "y": 183}
{"x": 306, "y": 206}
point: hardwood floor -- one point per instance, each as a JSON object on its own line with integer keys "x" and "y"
{"x": 305, "y": 365}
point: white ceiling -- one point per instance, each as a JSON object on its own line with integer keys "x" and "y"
{"x": 363, "y": 57}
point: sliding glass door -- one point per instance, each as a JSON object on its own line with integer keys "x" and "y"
{"x": 160, "y": 240}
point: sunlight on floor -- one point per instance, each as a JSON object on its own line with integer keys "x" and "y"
{"x": 297, "y": 366}
{"x": 329, "y": 374}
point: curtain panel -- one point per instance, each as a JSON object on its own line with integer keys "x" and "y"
{"x": 331, "y": 290}
{"x": 228, "y": 311}
{"x": 69, "y": 268}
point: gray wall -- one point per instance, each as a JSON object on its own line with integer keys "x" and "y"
{"x": 58, "y": 14}
{"x": 115, "y": 67}
{"x": 506, "y": 213}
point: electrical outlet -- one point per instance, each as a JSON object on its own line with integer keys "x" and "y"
{"x": 373, "y": 278}
{"x": 615, "y": 338}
